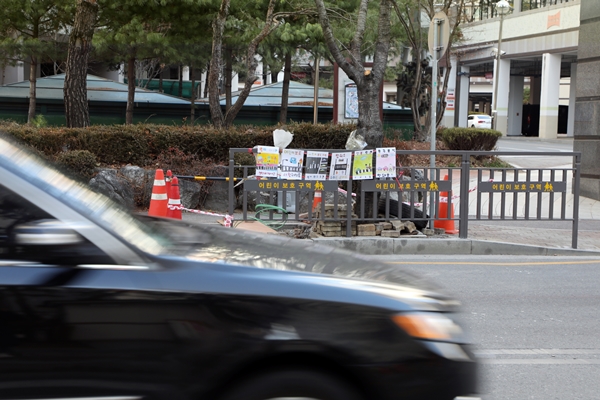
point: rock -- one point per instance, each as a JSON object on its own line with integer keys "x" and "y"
{"x": 190, "y": 193}
{"x": 140, "y": 180}
{"x": 115, "y": 186}
{"x": 214, "y": 194}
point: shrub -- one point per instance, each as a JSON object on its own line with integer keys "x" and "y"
{"x": 39, "y": 121}
{"x": 141, "y": 144}
{"x": 470, "y": 139}
{"x": 79, "y": 162}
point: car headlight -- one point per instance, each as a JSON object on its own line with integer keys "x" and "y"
{"x": 429, "y": 326}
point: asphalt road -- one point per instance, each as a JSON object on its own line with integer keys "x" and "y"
{"x": 534, "y": 321}
{"x": 534, "y": 144}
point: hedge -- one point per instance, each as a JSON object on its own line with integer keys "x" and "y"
{"x": 470, "y": 139}
{"x": 141, "y": 144}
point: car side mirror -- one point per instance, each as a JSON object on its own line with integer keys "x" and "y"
{"x": 46, "y": 232}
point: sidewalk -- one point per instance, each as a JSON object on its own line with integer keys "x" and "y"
{"x": 497, "y": 236}
{"x": 484, "y": 238}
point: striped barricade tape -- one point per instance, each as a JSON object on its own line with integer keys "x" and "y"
{"x": 227, "y": 219}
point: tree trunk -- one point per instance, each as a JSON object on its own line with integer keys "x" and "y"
{"x": 130, "y": 91}
{"x": 285, "y": 91}
{"x": 193, "y": 95}
{"x": 80, "y": 42}
{"x": 369, "y": 124}
{"x": 32, "y": 89}
{"x": 216, "y": 62}
{"x": 251, "y": 64}
{"x": 368, "y": 83}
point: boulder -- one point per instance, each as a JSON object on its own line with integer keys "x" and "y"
{"x": 115, "y": 186}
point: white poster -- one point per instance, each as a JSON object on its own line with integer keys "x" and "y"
{"x": 385, "y": 162}
{"x": 316, "y": 165}
{"x": 291, "y": 164}
{"x": 340, "y": 166}
{"x": 362, "y": 167}
{"x": 267, "y": 161}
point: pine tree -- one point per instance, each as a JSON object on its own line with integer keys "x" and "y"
{"x": 80, "y": 45}
{"x": 28, "y": 31}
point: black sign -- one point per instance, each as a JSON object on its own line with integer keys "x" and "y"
{"x": 282, "y": 184}
{"x": 407, "y": 186}
{"x": 525, "y": 187}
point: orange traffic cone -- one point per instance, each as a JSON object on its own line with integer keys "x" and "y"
{"x": 316, "y": 200}
{"x": 168, "y": 178}
{"x": 443, "y": 221}
{"x": 159, "y": 199}
{"x": 174, "y": 200}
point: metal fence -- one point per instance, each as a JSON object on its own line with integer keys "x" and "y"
{"x": 468, "y": 193}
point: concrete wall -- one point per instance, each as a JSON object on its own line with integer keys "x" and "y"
{"x": 587, "y": 102}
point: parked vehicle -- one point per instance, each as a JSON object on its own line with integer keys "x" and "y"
{"x": 99, "y": 303}
{"x": 479, "y": 121}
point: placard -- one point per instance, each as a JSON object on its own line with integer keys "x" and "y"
{"x": 362, "y": 166}
{"x": 291, "y": 164}
{"x": 385, "y": 162}
{"x": 340, "y": 166}
{"x": 267, "y": 161}
{"x": 316, "y": 165}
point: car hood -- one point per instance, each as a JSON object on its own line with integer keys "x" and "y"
{"x": 295, "y": 263}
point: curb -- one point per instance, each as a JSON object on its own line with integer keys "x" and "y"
{"x": 428, "y": 246}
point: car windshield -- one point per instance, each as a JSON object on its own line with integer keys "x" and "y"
{"x": 90, "y": 204}
{"x": 484, "y": 117}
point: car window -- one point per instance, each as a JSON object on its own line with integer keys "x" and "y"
{"x": 97, "y": 207}
{"x": 15, "y": 212}
{"x": 484, "y": 117}
{"x": 471, "y": 117}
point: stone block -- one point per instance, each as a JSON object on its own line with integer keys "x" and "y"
{"x": 367, "y": 228}
{"x": 390, "y": 233}
{"x": 330, "y": 228}
{"x": 367, "y": 233}
{"x": 387, "y": 225}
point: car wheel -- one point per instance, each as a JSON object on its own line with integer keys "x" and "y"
{"x": 420, "y": 225}
{"x": 292, "y": 385}
{"x": 472, "y": 126}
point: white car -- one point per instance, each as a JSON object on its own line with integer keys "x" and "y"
{"x": 479, "y": 121}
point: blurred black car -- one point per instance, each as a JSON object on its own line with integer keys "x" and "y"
{"x": 97, "y": 303}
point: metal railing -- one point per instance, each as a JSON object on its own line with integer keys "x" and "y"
{"x": 475, "y": 193}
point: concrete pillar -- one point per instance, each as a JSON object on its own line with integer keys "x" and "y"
{"x": 235, "y": 82}
{"x": 517, "y": 4}
{"x": 549, "y": 96}
{"x": 515, "y": 105}
{"x": 464, "y": 105}
{"x": 203, "y": 78}
{"x": 448, "y": 120}
{"x": 572, "y": 99}
{"x": 185, "y": 73}
{"x": 259, "y": 73}
{"x": 122, "y": 73}
{"x": 587, "y": 106}
{"x": 503, "y": 82}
